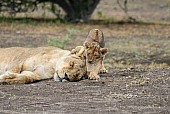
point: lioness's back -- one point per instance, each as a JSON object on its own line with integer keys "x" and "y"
{"x": 10, "y": 58}
{"x": 25, "y": 52}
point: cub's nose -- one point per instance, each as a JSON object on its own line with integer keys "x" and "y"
{"x": 90, "y": 61}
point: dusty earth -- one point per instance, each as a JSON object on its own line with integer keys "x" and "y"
{"x": 119, "y": 92}
{"x": 138, "y": 81}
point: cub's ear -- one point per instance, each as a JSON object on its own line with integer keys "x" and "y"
{"x": 95, "y": 44}
{"x": 87, "y": 45}
{"x": 103, "y": 50}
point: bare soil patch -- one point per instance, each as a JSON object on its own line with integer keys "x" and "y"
{"x": 138, "y": 81}
{"x": 119, "y": 91}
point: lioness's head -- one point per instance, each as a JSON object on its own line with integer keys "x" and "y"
{"x": 94, "y": 52}
{"x": 71, "y": 68}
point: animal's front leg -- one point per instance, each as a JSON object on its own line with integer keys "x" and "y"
{"x": 15, "y": 78}
{"x": 93, "y": 70}
{"x": 93, "y": 76}
{"x": 102, "y": 68}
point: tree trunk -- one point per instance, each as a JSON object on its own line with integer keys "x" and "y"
{"x": 77, "y": 10}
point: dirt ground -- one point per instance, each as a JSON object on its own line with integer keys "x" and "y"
{"x": 138, "y": 80}
{"x": 119, "y": 92}
{"x": 138, "y": 63}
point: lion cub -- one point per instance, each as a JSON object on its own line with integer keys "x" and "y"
{"x": 96, "y": 35}
{"x": 93, "y": 54}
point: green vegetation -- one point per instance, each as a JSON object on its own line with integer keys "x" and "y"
{"x": 30, "y": 21}
{"x": 61, "y": 42}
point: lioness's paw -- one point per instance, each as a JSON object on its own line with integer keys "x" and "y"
{"x": 103, "y": 70}
{"x": 93, "y": 76}
{"x": 3, "y": 79}
{"x": 7, "y": 78}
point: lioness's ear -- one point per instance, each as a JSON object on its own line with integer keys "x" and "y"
{"x": 103, "y": 50}
{"x": 71, "y": 63}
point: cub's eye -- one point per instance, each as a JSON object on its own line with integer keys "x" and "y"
{"x": 88, "y": 53}
{"x": 97, "y": 56}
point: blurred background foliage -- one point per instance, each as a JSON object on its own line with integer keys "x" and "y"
{"x": 75, "y": 10}
{"x": 83, "y": 10}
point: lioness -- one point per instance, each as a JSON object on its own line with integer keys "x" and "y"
{"x": 26, "y": 65}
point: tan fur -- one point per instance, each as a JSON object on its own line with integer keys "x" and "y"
{"x": 26, "y": 65}
{"x": 96, "y": 36}
{"x": 93, "y": 54}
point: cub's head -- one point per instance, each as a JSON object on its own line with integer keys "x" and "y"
{"x": 94, "y": 52}
{"x": 70, "y": 68}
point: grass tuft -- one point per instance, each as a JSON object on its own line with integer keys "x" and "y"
{"x": 62, "y": 42}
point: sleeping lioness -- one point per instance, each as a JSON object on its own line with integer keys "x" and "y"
{"x": 26, "y": 65}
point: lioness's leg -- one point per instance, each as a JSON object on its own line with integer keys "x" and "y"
{"x": 15, "y": 78}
